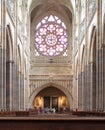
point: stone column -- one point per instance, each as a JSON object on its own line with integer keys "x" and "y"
{"x": 15, "y": 104}
{"x": 4, "y": 51}
{"x": 75, "y": 92}
{"x": 18, "y": 89}
{"x": 89, "y": 84}
{"x": 88, "y": 87}
{"x": 0, "y": 23}
{"x": 83, "y": 92}
{"x": 27, "y": 88}
{"x": 93, "y": 72}
{"x": 15, "y": 87}
{"x": 103, "y": 73}
{"x": 9, "y": 84}
{"x": 92, "y": 85}
{"x": 1, "y": 55}
{"x": 25, "y": 92}
{"x": 4, "y": 79}
{"x": 1, "y": 78}
{"x": 8, "y": 77}
{"x": 80, "y": 91}
{"x": 99, "y": 77}
{"x": 21, "y": 91}
{"x": 14, "y": 79}
{"x": 99, "y": 86}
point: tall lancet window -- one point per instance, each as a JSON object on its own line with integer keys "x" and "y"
{"x": 51, "y": 37}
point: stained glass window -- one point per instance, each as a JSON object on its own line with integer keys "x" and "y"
{"x": 51, "y": 37}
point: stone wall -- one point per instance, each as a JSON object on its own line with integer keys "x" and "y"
{"x": 91, "y": 71}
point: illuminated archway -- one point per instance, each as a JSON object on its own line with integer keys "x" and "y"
{"x": 33, "y": 95}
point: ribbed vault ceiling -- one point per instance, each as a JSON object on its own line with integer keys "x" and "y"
{"x": 62, "y": 8}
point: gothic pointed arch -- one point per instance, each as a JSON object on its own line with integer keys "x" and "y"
{"x": 92, "y": 66}
{"x": 104, "y": 30}
{"x": 82, "y": 58}
{"x": 19, "y": 57}
{"x": 92, "y": 47}
{"x": 51, "y": 42}
{"x": 9, "y": 43}
{"x": 20, "y": 82}
{"x": 9, "y": 62}
{"x": 76, "y": 69}
{"x": 68, "y": 94}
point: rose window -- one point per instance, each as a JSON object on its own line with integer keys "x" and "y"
{"x": 51, "y": 37}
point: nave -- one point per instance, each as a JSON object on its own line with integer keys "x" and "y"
{"x": 52, "y": 65}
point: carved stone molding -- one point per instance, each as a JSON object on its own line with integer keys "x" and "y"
{"x": 11, "y": 7}
{"x": 91, "y": 9}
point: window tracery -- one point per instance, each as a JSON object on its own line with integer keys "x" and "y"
{"x": 51, "y": 37}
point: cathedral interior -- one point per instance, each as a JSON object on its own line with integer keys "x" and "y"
{"x": 52, "y": 57}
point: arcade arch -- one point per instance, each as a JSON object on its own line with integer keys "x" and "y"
{"x": 58, "y": 87}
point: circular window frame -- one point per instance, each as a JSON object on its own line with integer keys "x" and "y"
{"x": 54, "y": 23}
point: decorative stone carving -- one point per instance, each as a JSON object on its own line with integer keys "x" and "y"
{"x": 76, "y": 43}
{"x": 82, "y": 30}
{"x": 91, "y": 9}
{"x": 41, "y": 80}
{"x": 82, "y": 11}
{"x": 20, "y": 29}
{"x": 11, "y": 7}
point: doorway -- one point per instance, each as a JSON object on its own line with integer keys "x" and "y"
{"x": 51, "y": 102}
{"x": 46, "y": 102}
